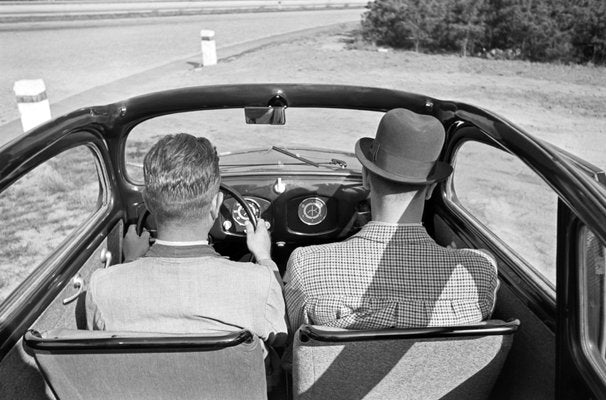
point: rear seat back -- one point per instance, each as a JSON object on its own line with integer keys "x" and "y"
{"x": 80, "y": 364}
{"x": 425, "y": 363}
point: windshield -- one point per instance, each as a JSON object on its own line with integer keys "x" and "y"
{"x": 312, "y": 138}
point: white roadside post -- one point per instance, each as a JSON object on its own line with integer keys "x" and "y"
{"x": 209, "y": 49}
{"x": 32, "y": 102}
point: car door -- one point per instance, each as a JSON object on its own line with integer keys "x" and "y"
{"x": 520, "y": 198}
{"x": 61, "y": 219}
{"x": 582, "y": 290}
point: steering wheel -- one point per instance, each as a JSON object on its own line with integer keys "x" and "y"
{"x": 142, "y": 220}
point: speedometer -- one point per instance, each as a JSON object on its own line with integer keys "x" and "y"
{"x": 239, "y": 214}
{"x": 312, "y": 211}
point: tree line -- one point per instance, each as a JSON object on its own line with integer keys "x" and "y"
{"x": 536, "y": 30}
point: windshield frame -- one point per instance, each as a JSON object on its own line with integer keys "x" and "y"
{"x": 137, "y": 110}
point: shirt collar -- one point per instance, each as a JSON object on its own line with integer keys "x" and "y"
{"x": 386, "y": 232}
{"x": 393, "y": 224}
{"x": 159, "y": 249}
{"x": 181, "y": 244}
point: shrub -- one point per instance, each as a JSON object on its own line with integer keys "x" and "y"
{"x": 588, "y": 33}
{"x": 536, "y": 30}
{"x": 463, "y": 26}
{"x": 402, "y": 23}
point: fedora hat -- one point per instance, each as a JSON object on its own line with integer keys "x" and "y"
{"x": 405, "y": 149}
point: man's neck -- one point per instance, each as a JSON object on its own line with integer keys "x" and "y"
{"x": 183, "y": 232}
{"x": 398, "y": 209}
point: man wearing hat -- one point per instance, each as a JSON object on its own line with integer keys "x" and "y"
{"x": 392, "y": 273}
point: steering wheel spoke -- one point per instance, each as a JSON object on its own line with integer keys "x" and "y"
{"x": 252, "y": 217}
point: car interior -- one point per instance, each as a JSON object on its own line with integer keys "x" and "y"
{"x": 510, "y": 356}
{"x": 322, "y": 359}
{"x": 460, "y": 362}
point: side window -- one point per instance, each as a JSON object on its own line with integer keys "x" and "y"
{"x": 42, "y": 209}
{"x": 511, "y": 201}
{"x": 593, "y": 286}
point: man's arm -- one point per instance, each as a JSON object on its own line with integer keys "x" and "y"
{"x": 294, "y": 292}
{"x": 258, "y": 240}
{"x": 94, "y": 319}
{"x": 275, "y": 316}
{"x": 259, "y": 243}
{"x": 488, "y": 292}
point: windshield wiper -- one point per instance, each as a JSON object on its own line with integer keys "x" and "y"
{"x": 293, "y": 155}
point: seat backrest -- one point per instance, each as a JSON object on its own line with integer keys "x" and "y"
{"x": 80, "y": 364}
{"x": 425, "y": 363}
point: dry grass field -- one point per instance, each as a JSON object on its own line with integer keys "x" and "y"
{"x": 41, "y": 210}
{"x": 565, "y": 105}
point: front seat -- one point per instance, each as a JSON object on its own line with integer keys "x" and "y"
{"x": 420, "y": 363}
{"x": 80, "y": 364}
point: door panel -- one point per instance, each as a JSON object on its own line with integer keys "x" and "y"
{"x": 529, "y": 371}
{"x": 60, "y": 208}
{"x": 55, "y": 222}
{"x": 59, "y": 315}
{"x": 550, "y": 356}
{"x": 496, "y": 201}
{"x": 18, "y": 367}
{"x": 581, "y": 363}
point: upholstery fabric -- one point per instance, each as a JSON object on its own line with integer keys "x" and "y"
{"x": 389, "y": 275}
{"x": 454, "y": 368}
{"x": 236, "y": 372}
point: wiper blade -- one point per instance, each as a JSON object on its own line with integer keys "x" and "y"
{"x": 293, "y": 155}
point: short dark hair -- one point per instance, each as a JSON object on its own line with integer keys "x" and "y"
{"x": 181, "y": 175}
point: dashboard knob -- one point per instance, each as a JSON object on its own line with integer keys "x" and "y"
{"x": 279, "y": 186}
{"x": 227, "y": 225}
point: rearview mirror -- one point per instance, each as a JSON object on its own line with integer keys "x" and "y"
{"x": 265, "y": 115}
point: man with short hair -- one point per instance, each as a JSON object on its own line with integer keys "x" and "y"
{"x": 180, "y": 284}
{"x": 392, "y": 274}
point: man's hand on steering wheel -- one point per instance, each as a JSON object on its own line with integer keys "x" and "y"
{"x": 135, "y": 246}
{"x": 258, "y": 240}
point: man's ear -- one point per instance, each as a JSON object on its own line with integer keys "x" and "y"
{"x": 146, "y": 201}
{"x": 430, "y": 190}
{"x": 216, "y": 205}
{"x": 365, "y": 182}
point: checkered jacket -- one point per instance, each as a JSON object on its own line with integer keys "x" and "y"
{"x": 389, "y": 276}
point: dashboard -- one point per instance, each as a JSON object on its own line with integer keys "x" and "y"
{"x": 299, "y": 209}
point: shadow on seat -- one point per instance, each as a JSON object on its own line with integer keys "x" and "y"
{"x": 80, "y": 364}
{"x": 421, "y": 363}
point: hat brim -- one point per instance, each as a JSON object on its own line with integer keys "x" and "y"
{"x": 440, "y": 171}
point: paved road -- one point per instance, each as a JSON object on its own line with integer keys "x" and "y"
{"x": 13, "y": 11}
{"x": 44, "y": 7}
{"x": 74, "y": 57}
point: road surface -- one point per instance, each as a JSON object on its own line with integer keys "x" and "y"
{"x": 13, "y": 11}
{"x": 72, "y": 57}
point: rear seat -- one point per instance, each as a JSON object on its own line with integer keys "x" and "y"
{"x": 81, "y": 364}
{"x": 420, "y": 363}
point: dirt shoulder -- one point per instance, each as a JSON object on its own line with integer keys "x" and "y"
{"x": 563, "y": 104}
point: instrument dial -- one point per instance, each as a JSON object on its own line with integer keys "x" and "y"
{"x": 239, "y": 214}
{"x": 312, "y": 211}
